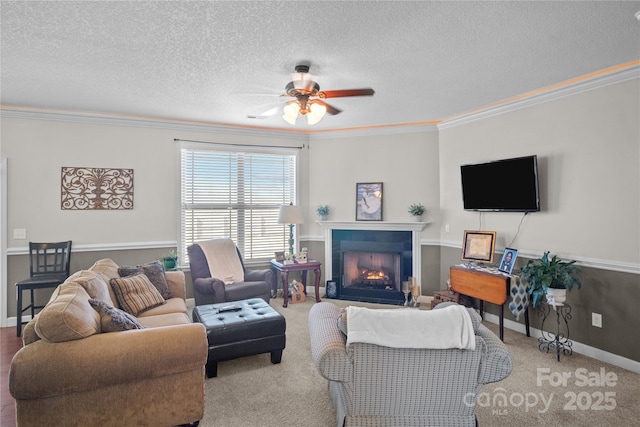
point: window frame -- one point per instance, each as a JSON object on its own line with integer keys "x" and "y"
{"x": 233, "y": 149}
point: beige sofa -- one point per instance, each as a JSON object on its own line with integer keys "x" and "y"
{"x": 71, "y": 372}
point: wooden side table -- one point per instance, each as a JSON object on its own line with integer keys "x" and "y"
{"x": 485, "y": 286}
{"x": 303, "y": 268}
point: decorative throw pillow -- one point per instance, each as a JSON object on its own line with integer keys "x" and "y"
{"x": 113, "y": 319}
{"x": 136, "y": 294}
{"x": 154, "y": 272}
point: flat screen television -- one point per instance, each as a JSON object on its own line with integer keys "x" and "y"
{"x": 507, "y": 185}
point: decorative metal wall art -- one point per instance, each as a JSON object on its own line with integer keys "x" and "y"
{"x": 96, "y": 188}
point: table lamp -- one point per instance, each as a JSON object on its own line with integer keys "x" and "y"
{"x": 290, "y": 214}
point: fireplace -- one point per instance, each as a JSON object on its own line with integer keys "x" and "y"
{"x": 370, "y": 265}
{"x": 371, "y": 271}
{"x": 369, "y": 260}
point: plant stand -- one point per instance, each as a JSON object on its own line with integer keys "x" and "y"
{"x": 560, "y": 340}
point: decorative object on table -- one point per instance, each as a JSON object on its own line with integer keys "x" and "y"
{"x": 323, "y": 212}
{"x": 170, "y": 262}
{"x": 478, "y": 246}
{"x": 508, "y": 260}
{"x": 417, "y": 210}
{"x": 96, "y": 189}
{"x": 297, "y": 292}
{"x": 290, "y": 214}
{"x": 302, "y": 257}
{"x": 369, "y": 201}
{"x": 279, "y": 256}
{"x": 550, "y": 274}
{"x": 331, "y": 289}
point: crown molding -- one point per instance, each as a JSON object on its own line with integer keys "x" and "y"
{"x": 402, "y": 128}
{"x": 572, "y": 87}
{"x": 142, "y": 122}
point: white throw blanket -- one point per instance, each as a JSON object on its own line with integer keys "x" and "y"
{"x": 448, "y": 327}
{"x": 223, "y": 260}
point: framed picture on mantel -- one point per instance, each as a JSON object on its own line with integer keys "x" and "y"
{"x": 369, "y": 201}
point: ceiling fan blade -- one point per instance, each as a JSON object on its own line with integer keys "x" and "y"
{"x": 346, "y": 92}
{"x": 270, "y": 112}
{"x": 330, "y": 109}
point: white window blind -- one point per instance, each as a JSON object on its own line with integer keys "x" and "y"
{"x": 236, "y": 194}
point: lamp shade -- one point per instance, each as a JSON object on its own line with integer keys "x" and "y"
{"x": 290, "y": 214}
{"x": 316, "y": 114}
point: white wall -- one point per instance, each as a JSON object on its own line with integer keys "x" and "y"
{"x": 37, "y": 149}
{"x": 588, "y": 148}
{"x": 406, "y": 164}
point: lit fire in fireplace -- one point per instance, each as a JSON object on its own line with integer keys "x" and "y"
{"x": 373, "y": 274}
{"x": 372, "y": 278}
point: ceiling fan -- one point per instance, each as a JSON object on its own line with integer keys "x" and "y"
{"x": 309, "y": 98}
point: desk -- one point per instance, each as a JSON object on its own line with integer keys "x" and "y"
{"x": 285, "y": 269}
{"x": 485, "y": 286}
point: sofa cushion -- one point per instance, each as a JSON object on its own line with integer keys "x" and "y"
{"x": 68, "y": 317}
{"x": 96, "y": 284}
{"x": 113, "y": 319}
{"x": 172, "y": 305}
{"x": 154, "y": 272}
{"x": 105, "y": 266}
{"x": 167, "y": 319}
{"x": 136, "y": 294}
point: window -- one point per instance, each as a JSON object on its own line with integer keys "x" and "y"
{"x": 237, "y": 194}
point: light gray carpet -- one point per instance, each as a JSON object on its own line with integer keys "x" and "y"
{"x": 250, "y": 391}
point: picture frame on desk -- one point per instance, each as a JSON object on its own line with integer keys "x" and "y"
{"x": 478, "y": 246}
{"x": 508, "y": 260}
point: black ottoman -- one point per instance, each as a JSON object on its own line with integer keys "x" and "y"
{"x": 241, "y": 328}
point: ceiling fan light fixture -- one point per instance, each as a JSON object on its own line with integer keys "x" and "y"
{"x": 290, "y": 112}
{"x": 316, "y": 113}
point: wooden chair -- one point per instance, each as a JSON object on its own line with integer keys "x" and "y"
{"x": 48, "y": 267}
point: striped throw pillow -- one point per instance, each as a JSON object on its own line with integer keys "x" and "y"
{"x": 136, "y": 294}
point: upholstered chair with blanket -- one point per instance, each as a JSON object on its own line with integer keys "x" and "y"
{"x": 405, "y": 367}
{"x": 219, "y": 275}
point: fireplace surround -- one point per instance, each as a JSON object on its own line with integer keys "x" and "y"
{"x": 369, "y": 261}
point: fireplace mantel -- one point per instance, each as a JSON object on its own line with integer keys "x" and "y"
{"x": 372, "y": 225}
{"x": 414, "y": 227}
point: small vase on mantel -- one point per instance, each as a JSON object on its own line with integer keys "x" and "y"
{"x": 417, "y": 210}
{"x": 323, "y": 212}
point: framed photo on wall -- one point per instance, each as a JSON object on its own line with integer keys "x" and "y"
{"x": 508, "y": 260}
{"x": 369, "y": 201}
{"x": 478, "y": 246}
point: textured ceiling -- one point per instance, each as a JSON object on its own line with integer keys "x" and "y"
{"x": 217, "y": 62}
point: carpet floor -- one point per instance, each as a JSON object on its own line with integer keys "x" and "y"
{"x": 577, "y": 391}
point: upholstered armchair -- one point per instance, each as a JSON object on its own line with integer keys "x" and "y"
{"x": 378, "y": 385}
{"x": 219, "y": 275}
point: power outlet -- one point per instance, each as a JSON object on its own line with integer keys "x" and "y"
{"x": 596, "y": 320}
{"x": 19, "y": 233}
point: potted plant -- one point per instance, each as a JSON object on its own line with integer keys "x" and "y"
{"x": 417, "y": 210}
{"x": 170, "y": 262}
{"x": 550, "y": 278}
{"x": 323, "y": 212}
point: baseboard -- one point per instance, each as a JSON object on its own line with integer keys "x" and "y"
{"x": 585, "y": 350}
